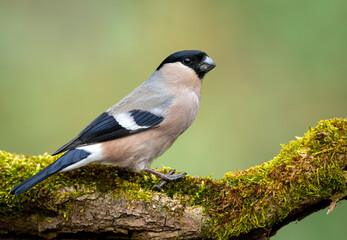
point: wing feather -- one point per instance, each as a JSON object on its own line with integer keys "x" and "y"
{"x": 108, "y": 127}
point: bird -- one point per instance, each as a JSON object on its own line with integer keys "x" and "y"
{"x": 140, "y": 127}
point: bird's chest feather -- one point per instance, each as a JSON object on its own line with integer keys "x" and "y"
{"x": 182, "y": 113}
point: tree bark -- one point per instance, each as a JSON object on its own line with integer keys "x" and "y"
{"x": 108, "y": 202}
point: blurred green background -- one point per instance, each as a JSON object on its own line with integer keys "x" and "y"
{"x": 281, "y": 67}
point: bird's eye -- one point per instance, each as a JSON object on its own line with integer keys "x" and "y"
{"x": 187, "y": 61}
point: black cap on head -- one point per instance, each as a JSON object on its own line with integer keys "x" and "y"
{"x": 195, "y": 59}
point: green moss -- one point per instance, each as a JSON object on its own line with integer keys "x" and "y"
{"x": 309, "y": 168}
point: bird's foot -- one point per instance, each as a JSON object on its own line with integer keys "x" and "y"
{"x": 165, "y": 177}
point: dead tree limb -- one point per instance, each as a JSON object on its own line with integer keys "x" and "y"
{"x": 97, "y": 201}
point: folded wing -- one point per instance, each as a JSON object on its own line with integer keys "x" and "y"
{"x": 108, "y": 127}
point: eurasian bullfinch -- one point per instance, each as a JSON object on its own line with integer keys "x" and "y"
{"x": 140, "y": 127}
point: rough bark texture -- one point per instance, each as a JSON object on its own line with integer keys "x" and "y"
{"x": 101, "y": 214}
{"x": 97, "y": 202}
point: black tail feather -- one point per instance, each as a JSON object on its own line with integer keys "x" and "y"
{"x": 29, "y": 183}
{"x": 64, "y": 161}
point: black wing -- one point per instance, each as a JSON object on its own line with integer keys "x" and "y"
{"x": 106, "y": 127}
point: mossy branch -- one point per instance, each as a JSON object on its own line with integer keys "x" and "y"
{"x": 309, "y": 174}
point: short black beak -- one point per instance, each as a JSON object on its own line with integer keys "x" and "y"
{"x": 207, "y": 64}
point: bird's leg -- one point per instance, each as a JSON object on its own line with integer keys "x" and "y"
{"x": 165, "y": 177}
{"x": 163, "y": 182}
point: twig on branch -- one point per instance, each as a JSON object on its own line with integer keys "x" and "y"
{"x": 101, "y": 201}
